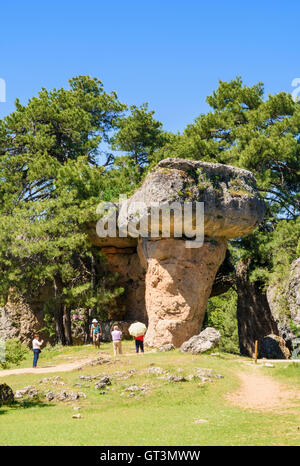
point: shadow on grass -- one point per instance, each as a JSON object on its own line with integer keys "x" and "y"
{"x": 24, "y": 404}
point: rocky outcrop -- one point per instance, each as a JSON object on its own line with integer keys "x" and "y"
{"x": 206, "y": 340}
{"x": 273, "y": 347}
{"x": 284, "y": 301}
{"x": 21, "y": 319}
{"x": 179, "y": 273}
{"x": 294, "y": 292}
{"x": 254, "y": 317}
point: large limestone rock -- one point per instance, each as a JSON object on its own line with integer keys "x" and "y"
{"x": 206, "y": 340}
{"x": 178, "y": 278}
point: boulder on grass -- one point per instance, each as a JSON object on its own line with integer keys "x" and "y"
{"x": 207, "y": 339}
{"x": 274, "y": 347}
{"x": 6, "y": 394}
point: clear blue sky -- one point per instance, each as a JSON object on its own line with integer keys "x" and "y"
{"x": 169, "y": 53}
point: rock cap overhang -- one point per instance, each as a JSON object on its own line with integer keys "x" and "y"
{"x": 232, "y": 204}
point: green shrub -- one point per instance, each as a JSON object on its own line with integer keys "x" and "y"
{"x": 221, "y": 314}
{"x": 15, "y": 352}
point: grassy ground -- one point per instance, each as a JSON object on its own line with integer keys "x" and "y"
{"x": 285, "y": 372}
{"x": 164, "y": 416}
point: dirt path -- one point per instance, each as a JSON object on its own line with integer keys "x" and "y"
{"x": 260, "y": 392}
{"x": 65, "y": 367}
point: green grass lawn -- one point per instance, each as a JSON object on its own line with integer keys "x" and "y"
{"x": 165, "y": 416}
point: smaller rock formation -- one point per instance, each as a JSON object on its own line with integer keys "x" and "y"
{"x": 294, "y": 292}
{"x": 64, "y": 396}
{"x": 284, "y": 302}
{"x": 274, "y": 347}
{"x": 28, "y": 392}
{"x": 102, "y": 383}
{"x": 6, "y": 394}
{"x": 207, "y": 339}
{"x": 21, "y": 318}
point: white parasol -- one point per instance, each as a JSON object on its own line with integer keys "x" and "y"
{"x": 137, "y": 329}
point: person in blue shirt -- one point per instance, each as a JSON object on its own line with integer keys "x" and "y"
{"x": 96, "y": 332}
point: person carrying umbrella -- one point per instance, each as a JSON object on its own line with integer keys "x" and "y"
{"x": 138, "y": 330}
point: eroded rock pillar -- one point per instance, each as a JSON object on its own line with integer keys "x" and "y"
{"x": 178, "y": 285}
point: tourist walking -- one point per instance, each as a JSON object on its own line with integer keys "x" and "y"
{"x": 36, "y": 347}
{"x": 138, "y": 331}
{"x": 96, "y": 332}
{"x": 116, "y": 338}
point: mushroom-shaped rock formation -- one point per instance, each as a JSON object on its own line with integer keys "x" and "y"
{"x": 181, "y": 268}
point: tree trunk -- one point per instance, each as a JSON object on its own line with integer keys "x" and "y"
{"x": 67, "y": 326}
{"x": 86, "y": 327}
{"x": 254, "y": 317}
{"x": 58, "y": 315}
{"x": 88, "y": 312}
{"x": 59, "y": 325}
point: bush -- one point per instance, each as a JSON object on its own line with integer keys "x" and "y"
{"x": 15, "y": 352}
{"x": 221, "y": 314}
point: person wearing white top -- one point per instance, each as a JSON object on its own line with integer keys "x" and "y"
{"x": 36, "y": 346}
{"x": 116, "y": 338}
